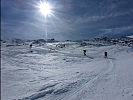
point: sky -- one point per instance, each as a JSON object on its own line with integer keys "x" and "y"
{"x": 70, "y": 19}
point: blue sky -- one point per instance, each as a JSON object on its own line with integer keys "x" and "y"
{"x": 72, "y": 19}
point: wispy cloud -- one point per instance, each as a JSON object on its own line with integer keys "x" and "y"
{"x": 118, "y": 29}
{"x": 86, "y": 19}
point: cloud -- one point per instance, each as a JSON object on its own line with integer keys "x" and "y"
{"x": 86, "y": 19}
{"x": 118, "y": 29}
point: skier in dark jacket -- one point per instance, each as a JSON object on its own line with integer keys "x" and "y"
{"x": 105, "y": 54}
{"x": 84, "y": 52}
{"x": 30, "y": 46}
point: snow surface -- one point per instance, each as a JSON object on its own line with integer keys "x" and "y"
{"x": 52, "y": 73}
{"x": 131, "y": 36}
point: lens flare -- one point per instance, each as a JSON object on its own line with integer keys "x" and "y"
{"x": 45, "y": 9}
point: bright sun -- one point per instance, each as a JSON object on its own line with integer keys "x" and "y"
{"x": 45, "y": 9}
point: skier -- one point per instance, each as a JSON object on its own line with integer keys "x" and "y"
{"x": 30, "y": 48}
{"x": 84, "y": 52}
{"x": 105, "y": 54}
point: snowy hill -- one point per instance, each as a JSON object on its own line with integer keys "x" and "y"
{"x": 54, "y": 73}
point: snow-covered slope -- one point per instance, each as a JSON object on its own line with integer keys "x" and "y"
{"x": 52, "y": 73}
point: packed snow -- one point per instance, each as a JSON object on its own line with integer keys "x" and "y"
{"x": 60, "y": 71}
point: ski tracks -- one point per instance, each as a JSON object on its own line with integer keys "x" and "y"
{"x": 91, "y": 83}
{"x": 84, "y": 88}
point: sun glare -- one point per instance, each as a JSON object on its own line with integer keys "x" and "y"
{"x": 45, "y": 9}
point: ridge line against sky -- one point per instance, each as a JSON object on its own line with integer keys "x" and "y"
{"x": 82, "y": 19}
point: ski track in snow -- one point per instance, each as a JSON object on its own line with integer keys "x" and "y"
{"x": 92, "y": 82}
